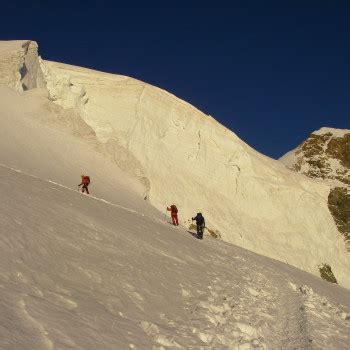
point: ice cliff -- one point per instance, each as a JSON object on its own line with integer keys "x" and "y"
{"x": 20, "y": 65}
{"x": 183, "y": 156}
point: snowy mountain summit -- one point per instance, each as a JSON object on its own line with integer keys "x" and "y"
{"x": 325, "y": 155}
{"x": 106, "y": 270}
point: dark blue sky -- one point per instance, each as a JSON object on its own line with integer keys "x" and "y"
{"x": 271, "y": 71}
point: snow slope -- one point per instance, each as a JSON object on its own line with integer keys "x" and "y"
{"x": 79, "y": 272}
{"x": 164, "y": 150}
{"x": 107, "y": 272}
{"x": 190, "y": 159}
{"x": 39, "y": 138}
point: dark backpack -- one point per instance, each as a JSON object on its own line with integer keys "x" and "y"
{"x": 173, "y": 209}
{"x": 199, "y": 219}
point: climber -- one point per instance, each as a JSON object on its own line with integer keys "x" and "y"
{"x": 173, "y": 211}
{"x": 85, "y": 182}
{"x": 200, "y": 225}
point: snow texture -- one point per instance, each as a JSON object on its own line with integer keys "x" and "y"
{"x": 333, "y": 131}
{"x": 170, "y": 151}
{"x": 107, "y": 271}
{"x": 79, "y": 272}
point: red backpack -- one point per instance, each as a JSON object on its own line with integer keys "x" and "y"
{"x": 86, "y": 180}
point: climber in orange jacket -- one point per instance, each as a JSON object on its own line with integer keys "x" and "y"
{"x": 173, "y": 211}
{"x": 85, "y": 182}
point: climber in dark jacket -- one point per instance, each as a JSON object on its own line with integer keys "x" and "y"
{"x": 200, "y": 225}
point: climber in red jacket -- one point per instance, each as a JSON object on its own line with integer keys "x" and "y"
{"x": 173, "y": 211}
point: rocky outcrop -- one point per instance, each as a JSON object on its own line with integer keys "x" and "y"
{"x": 327, "y": 274}
{"x": 339, "y": 206}
{"x": 325, "y": 155}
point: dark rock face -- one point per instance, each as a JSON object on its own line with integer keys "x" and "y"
{"x": 327, "y": 156}
{"x": 339, "y": 206}
{"x": 315, "y": 155}
{"x": 339, "y": 148}
{"x": 327, "y": 274}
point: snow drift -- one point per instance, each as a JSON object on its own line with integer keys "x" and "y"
{"x": 181, "y": 155}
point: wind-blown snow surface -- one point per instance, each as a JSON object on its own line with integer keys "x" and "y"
{"x": 106, "y": 272}
{"x": 79, "y": 272}
{"x": 177, "y": 153}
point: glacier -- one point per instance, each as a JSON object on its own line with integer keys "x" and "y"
{"x": 178, "y": 154}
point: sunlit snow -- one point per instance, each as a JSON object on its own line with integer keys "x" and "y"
{"x": 108, "y": 271}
